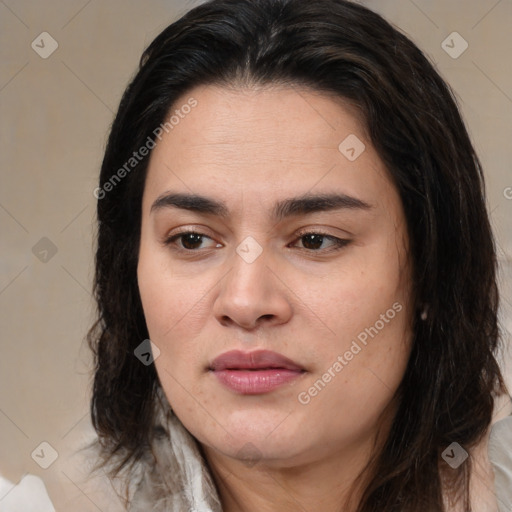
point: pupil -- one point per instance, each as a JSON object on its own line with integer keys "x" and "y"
{"x": 312, "y": 241}
{"x": 192, "y": 240}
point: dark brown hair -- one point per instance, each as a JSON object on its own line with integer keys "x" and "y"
{"x": 341, "y": 48}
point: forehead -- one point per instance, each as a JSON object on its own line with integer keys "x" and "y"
{"x": 265, "y": 142}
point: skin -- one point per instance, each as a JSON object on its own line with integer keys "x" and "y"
{"x": 251, "y": 148}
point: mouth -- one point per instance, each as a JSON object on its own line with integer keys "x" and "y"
{"x": 252, "y": 373}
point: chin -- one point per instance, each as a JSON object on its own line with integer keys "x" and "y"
{"x": 256, "y": 439}
{"x": 258, "y": 451}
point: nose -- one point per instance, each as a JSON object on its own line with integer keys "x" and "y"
{"x": 251, "y": 296}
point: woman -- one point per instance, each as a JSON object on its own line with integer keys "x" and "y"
{"x": 291, "y": 210}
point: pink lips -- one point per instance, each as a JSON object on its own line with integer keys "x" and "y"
{"x": 253, "y": 373}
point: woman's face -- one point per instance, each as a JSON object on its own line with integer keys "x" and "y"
{"x": 300, "y": 251}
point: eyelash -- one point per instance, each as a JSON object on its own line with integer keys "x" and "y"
{"x": 339, "y": 243}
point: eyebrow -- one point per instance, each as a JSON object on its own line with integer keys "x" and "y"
{"x": 302, "y": 205}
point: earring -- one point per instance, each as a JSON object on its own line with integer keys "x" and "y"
{"x": 424, "y": 313}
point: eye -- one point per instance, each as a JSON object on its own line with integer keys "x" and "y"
{"x": 321, "y": 242}
{"x": 193, "y": 241}
{"x": 190, "y": 241}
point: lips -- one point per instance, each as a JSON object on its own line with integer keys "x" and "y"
{"x": 257, "y": 360}
{"x": 257, "y": 372}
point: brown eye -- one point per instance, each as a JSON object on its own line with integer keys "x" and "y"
{"x": 191, "y": 240}
{"x": 320, "y": 242}
{"x": 312, "y": 241}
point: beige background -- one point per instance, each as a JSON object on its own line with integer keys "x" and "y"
{"x": 55, "y": 114}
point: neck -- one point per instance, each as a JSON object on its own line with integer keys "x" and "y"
{"x": 267, "y": 489}
{"x": 333, "y": 482}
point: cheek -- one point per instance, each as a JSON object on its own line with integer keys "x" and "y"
{"x": 358, "y": 373}
{"x": 365, "y": 305}
{"x": 167, "y": 299}
{"x": 356, "y": 293}
{"x": 175, "y": 311}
